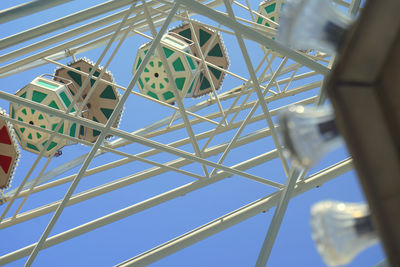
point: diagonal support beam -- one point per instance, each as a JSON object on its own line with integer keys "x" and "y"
{"x": 253, "y": 35}
{"x": 100, "y": 139}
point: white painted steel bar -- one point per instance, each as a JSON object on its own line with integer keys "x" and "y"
{"x": 75, "y": 99}
{"x": 195, "y": 235}
{"x": 275, "y": 224}
{"x": 209, "y": 152}
{"x": 197, "y": 58}
{"x": 27, "y": 9}
{"x": 253, "y": 35}
{"x": 34, "y": 183}
{"x": 62, "y": 23}
{"x": 233, "y": 218}
{"x": 64, "y": 50}
{"x": 115, "y": 132}
{"x": 177, "y": 94}
{"x": 257, "y": 89}
{"x": 133, "y": 92}
{"x": 115, "y": 216}
{"x": 117, "y": 184}
{"x": 61, "y": 37}
{"x": 147, "y": 131}
{"x": 250, "y": 114}
{"x": 230, "y": 110}
{"x": 95, "y": 147}
{"x": 74, "y": 32}
{"x": 107, "y": 149}
{"x": 203, "y": 61}
{"x": 354, "y": 7}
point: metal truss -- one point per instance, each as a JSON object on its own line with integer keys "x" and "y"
{"x": 200, "y": 141}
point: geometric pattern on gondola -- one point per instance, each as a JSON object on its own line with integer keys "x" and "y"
{"x": 214, "y": 52}
{"x": 9, "y": 152}
{"x": 54, "y": 95}
{"x": 270, "y": 9}
{"x": 101, "y": 102}
{"x": 154, "y": 81}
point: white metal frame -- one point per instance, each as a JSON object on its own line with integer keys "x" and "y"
{"x": 255, "y": 91}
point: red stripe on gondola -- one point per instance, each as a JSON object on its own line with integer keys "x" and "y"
{"x": 4, "y": 136}
{"x": 5, "y": 163}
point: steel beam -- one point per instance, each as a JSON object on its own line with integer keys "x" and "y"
{"x": 197, "y": 234}
{"x": 27, "y": 9}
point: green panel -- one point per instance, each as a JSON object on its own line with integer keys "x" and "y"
{"x": 75, "y": 76}
{"x": 108, "y": 93}
{"x": 32, "y": 146}
{"x": 146, "y": 79}
{"x": 65, "y": 99}
{"x": 30, "y": 136}
{"x": 72, "y": 130}
{"x": 20, "y": 119}
{"x": 22, "y": 129}
{"x": 216, "y": 51}
{"x": 23, "y": 95}
{"x": 24, "y": 111}
{"x": 38, "y": 135}
{"x": 204, "y": 37}
{"x": 138, "y": 63}
{"x": 168, "y": 52}
{"x": 186, "y": 33}
{"x": 12, "y": 112}
{"x": 205, "y": 84}
{"x": 215, "y": 72}
{"x": 140, "y": 82}
{"x": 270, "y": 8}
{"x": 151, "y": 63}
{"x": 38, "y": 96}
{"x": 166, "y": 79}
{"x": 161, "y": 86}
{"x": 145, "y": 51}
{"x": 107, "y": 112}
{"x": 33, "y": 111}
{"x": 82, "y": 130}
{"x": 46, "y": 84}
{"x": 53, "y": 105}
{"x": 51, "y": 146}
{"x": 54, "y": 125}
{"x": 153, "y": 85}
{"x": 159, "y": 63}
{"x": 179, "y": 83}
{"x": 259, "y": 20}
{"x": 153, "y": 95}
{"x": 95, "y": 132}
{"x": 168, "y": 95}
{"x": 146, "y": 70}
{"x": 191, "y": 64}
{"x": 40, "y": 117}
{"x": 61, "y": 130}
{"x": 178, "y": 65}
{"x": 97, "y": 74}
{"x": 191, "y": 87}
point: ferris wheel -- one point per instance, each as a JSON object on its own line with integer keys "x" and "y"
{"x": 125, "y": 120}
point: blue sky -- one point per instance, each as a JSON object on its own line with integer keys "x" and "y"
{"x": 114, "y": 243}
